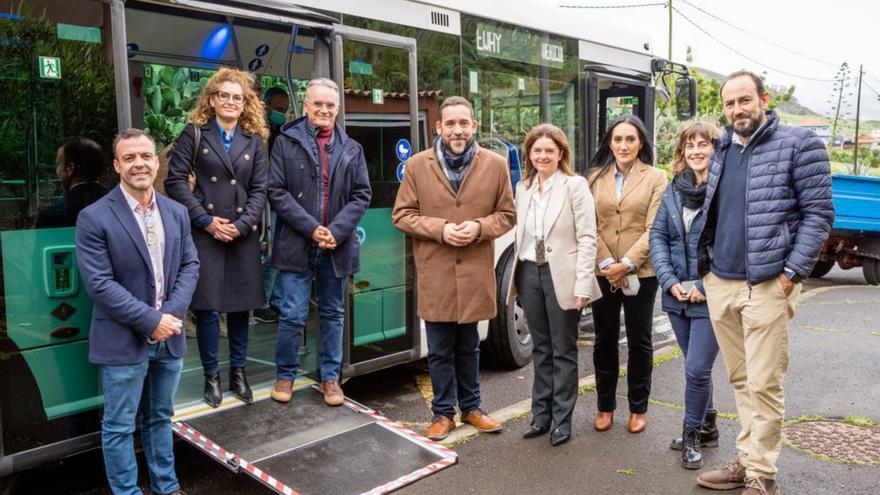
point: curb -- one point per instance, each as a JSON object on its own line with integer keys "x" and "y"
{"x": 523, "y": 407}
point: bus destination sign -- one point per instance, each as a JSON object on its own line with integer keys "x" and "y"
{"x": 519, "y": 45}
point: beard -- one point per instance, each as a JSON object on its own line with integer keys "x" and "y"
{"x": 457, "y": 146}
{"x": 746, "y": 130}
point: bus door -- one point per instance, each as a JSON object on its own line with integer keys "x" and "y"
{"x": 382, "y": 111}
{"x": 608, "y": 96}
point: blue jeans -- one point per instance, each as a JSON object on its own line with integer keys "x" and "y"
{"x": 454, "y": 366}
{"x": 270, "y": 274}
{"x": 698, "y": 344}
{"x": 147, "y": 387}
{"x": 297, "y": 290}
{"x": 208, "y": 338}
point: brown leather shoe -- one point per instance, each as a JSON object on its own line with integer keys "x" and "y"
{"x": 440, "y": 428}
{"x": 637, "y": 423}
{"x": 481, "y": 421}
{"x": 282, "y": 391}
{"x": 333, "y": 395}
{"x": 761, "y": 486}
{"x": 603, "y": 421}
{"x": 731, "y": 476}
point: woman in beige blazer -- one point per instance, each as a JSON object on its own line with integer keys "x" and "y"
{"x": 628, "y": 191}
{"x": 553, "y": 274}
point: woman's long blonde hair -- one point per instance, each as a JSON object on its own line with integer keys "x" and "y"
{"x": 556, "y": 135}
{"x": 691, "y": 130}
{"x": 252, "y": 118}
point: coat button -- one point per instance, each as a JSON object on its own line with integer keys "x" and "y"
{"x": 253, "y": 227}
{"x": 239, "y": 209}
{"x": 247, "y": 157}
{"x": 617, "y": 232}
{"x": 549, "y": 249}
{"x": 204, "y": 151}
{"x": 618, "y": 211}
{"x": 458, "y": 261}
{"x": 233, "y": 182}
{"x": 213, "y": 179}
{"x": 210, "y": 206}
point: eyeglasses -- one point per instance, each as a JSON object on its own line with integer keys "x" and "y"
{"x": 329, "y": 105}
{"x": 223, "y": 96}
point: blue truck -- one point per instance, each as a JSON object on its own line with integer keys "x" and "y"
{"x": 855, "y": 236}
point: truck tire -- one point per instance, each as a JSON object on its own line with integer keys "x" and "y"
{"x": 821, "y": 269}
{"x": 509, "y": 344}
{"x": 871, "y": 271}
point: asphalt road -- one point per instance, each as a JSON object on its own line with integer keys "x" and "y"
{"x": 833, "y": 374}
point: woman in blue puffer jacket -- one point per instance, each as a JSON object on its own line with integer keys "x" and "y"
{"x": 674, "y": 241}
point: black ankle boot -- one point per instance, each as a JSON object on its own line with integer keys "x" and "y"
{"x": 213, "y": 395}
{"x": 691, "y": 457}
{"x": 238, "y": 384}
{"x": 709, "y": 431}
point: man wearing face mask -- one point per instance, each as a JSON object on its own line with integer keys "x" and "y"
{"x": 769, "y": 212}
{"x": 455, "y": 200}
{"x": 277, "y": 104}
{"x": 320, "y": 189}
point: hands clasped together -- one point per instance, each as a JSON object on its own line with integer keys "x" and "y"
{"x": 222, "y": 230}
{"x": 168, "y": 327}
{"x": 616, "y": 274}
{"x": 694, "y": 295}
{"x": 324, "y": 237}
{"x": 461, "y": 234}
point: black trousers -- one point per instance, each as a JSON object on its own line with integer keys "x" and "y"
{"x": 638, "y": 311}
{"x": 555, "y": 352}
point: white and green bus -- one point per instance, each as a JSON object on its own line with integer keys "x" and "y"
{"x": 91, "y": 67}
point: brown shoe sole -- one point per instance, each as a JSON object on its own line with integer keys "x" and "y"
{"x": 731, "y": 485}
{"x": 494, "y": 429}
{"x": 334, "y": 401}
{"x": 281, "y": 397}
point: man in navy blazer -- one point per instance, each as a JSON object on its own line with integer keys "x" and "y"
{"x": 139, "y": 265}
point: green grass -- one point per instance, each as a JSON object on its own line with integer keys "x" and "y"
{"x": 667, "y": 357}
{"x": 860, "y": 421}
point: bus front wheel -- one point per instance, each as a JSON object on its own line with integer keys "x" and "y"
{"x": 509, "y": 344}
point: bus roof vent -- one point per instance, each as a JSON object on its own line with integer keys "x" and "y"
{"x": 439, "y": 19}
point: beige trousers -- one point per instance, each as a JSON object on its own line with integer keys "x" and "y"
{"x": 751, "y": 326}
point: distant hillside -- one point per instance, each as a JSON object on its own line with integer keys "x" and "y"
{"x": 791, "y": 107}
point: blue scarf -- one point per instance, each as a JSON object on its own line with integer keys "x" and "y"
{"x": 455, "y": 166}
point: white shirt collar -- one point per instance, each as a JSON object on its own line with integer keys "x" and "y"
{"x": 134, "y": 204}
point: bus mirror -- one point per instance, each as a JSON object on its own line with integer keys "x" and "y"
{"x": 686, "y": 97}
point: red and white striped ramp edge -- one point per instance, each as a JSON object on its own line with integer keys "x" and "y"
{"x": 236, "y": 463}
{"x": 203, "y": 443}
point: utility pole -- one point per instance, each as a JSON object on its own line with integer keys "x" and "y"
{"x": 858, "y": 108}
{"x": 669, "y": 5}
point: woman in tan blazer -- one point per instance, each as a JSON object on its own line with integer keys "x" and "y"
{"x": 628, "y": 191}
{"x": 553, "y": 274}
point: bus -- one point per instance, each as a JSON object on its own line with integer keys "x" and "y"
{"x": 91, "y": 67}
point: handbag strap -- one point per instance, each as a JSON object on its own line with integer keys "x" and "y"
{"x": 197, "y": 131}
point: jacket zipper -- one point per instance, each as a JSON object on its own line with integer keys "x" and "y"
{"x": 747, "y": 154}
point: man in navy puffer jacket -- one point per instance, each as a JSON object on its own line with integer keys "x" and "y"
{"x": 769, "y": 212}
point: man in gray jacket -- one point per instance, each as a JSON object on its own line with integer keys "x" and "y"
{"x": 769, "y": 212}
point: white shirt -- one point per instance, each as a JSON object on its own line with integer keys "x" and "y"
{"x": 688, "y": 215}
{"x": 150, "y": 223}
{"x": 534, "y": 227}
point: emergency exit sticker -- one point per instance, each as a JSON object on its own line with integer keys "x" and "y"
{"x": 50, "y": 67}
{"x": 378, "y": 97}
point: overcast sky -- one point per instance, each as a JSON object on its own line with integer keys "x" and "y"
{"x": 827, "y": 32}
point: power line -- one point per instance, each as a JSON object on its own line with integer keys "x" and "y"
{"x": 626, "y": 6}
{"x": 741, "y": 54}
{"x": 761, "y": 38}
{"x": 869, "y": 87}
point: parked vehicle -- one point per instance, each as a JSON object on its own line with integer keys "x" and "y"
{"x": 855, "y": 236}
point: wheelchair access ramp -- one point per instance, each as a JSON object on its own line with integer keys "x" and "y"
{"x": 306, "y": 447}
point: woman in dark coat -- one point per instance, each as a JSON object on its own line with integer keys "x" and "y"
{"x": 674, "y": 239}
{"x": 225, "y": 207}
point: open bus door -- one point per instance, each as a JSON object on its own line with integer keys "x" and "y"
{"x": 610, "y": 94}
